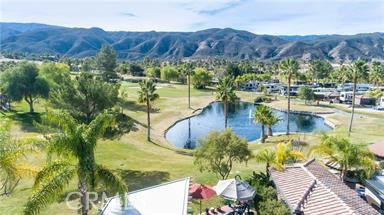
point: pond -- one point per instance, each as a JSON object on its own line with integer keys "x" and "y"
{"x": 185, "y": 133}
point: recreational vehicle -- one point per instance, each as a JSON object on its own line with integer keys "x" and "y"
{"x": 346, "y": 97}
{"x": 249, "y": 85}
{"x": 380, "y": 104}
{"x": 272, "y": 88}
{"x": 294, "y": 89}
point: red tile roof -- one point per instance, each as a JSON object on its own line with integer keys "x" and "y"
{"x": 312, "y": 189}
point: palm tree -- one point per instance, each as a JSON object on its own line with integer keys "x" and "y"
{"x": 271, "y": 120}
{"x": 266, "y": 156}
{"x": 281, "y": 156}
{"x": 289, "y": 68}
{"x": 347, "y": 155}
{"x": 285, "y": 154}
{"x": 260, "y": 116}
{"x": 226, "y": 93}
{"x": 74, "y": 145}
{"x": 11, "y": 167}
{"x": 147, "y": 94}
{"x": 376, "y": 74}
{"x": 188, "y": 69}
{"x": 357, "y": 71}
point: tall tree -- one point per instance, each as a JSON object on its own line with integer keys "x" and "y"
{"x": 106, "y": 62}
{"x": 74, "y": 144}
{"x": 56, "y": 74}
{"x": 357, "y": 71}
{"x": 86, "y": 97}
{"x": 24, "y": 82}
{"x": 376, "y": 74}
{"x": 169, "y": 73}
{"x": 320, "y": 69}
{"x": 289, "y": 68}
{"x": 217, "y": 152}
{"x": 152, "y": 72}
{"x": 233, "y": 70}
{"x": 346, "y": 154}
{"x": 226, "y": 93}
{"x": 306, "y": 93}
{"x": 271, "y": 120}
{"x": 201, "y": 78}
{"x": 189, "y": 70}
{"x": 148, "y": 95}
{"x": 87, "y": 64}
{"x": 260, "y": 116}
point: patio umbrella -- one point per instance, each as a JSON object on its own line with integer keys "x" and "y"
{"x": 235, "y": 190}
{"x": 201, "y": 191}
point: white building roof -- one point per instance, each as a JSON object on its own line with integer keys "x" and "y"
{"x": 169, "y": 198}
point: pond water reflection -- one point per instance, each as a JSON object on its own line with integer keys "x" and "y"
{"x": 185, "y": 133}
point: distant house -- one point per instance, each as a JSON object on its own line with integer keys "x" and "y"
{"x": 169, "y": 198}
{"x": 310, "y": 188}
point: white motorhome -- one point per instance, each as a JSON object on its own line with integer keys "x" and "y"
{"x": 293, "y": 89}
{"x": 380, "y": 104}
{"x": 346, "y": 97}
{"x": 271, "y": 88}
{"x": 249, "y": 85}
{"x": 359, "y": 87}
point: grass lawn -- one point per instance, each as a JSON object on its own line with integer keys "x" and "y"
{"x": 143, "y": 163}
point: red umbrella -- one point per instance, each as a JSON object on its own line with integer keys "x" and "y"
{"x": 201, "y": 191}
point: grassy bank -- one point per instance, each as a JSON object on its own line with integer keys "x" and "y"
{"x": 143, "y": 163}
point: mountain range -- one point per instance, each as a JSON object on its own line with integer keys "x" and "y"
{"x": 33, "y": 38}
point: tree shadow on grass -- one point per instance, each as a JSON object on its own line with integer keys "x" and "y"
{"x": 133, "y": 106}
{"x": 142, "y": 179}
{"x": 26, "y": 120}
{"x": 136, "y": 106}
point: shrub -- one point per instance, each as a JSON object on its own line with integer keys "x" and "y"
{"x": 261, "y": 99}
{"x": 306, "y": 93}
{"x": 152, "y": 72}
{"x": 266, "y": 201}
{"x": 273, "y": 207}
{"x": 169, "y": 73}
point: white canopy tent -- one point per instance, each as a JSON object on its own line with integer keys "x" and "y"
{"x": 169, "y": 198}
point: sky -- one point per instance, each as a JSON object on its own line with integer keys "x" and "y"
{"x": 274, "y": 17}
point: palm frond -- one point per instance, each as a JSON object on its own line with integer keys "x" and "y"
{"x": 61, "y": 119}
{"x": 49, "y": 191}
{"x": 64, "y": 145}
{"x": 48, "y": 172}
{"x": 97, "y": 127}
{"x": 265, "y": 156}
{"x": 112, "y": 182}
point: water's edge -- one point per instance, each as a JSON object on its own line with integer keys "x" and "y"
{"x": 200, "y": 110}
